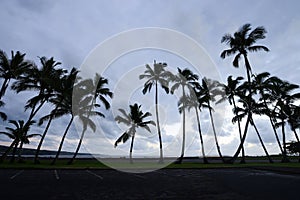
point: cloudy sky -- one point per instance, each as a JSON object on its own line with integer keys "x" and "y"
{"x": 72, "y": 31}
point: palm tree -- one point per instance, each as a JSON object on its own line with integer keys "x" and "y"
{"x": 60, "y": 86}
{"x": 38, "y": 80}
{"x": 98, "y": 90}
{"x": 243, "y": 42}
{"x": 134, "y": 119}
{"x": 263, "y": 83}
{"x": 209, "y": 89}
{"x": 194, "y": 101}
{"x": 11, "y": 68}
{"x": 155, "y": 76}
{"x": 283, "y": 100}
{"x": 17, "y": 134}
{"x": 185, "y": 79}
{"x": 249, "y": 108}
{"x": 232, "y": 90}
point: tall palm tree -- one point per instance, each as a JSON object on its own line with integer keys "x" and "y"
{"x": 232, "y": 89}
{"x": 98, "y": 90}
{"x": 185, "y": 79}
{"x": 155, "y": 76}
{"x": 263, "y": 83}
{"x": 61, "y": 86}
{"x": 249, "y": 108}
{"x": 209, "y": 89}
{"x": 17, "y": 134}
{"x": 243, "y": 42}
{"x": 11, "y": 68}
{"x": 38, "y": 79}
{"x": 194, "y": 101}
{"x": 282, "y": 96}
{"x": 134, "y": 119}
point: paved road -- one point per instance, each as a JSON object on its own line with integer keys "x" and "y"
{"x": 209, "y": 184}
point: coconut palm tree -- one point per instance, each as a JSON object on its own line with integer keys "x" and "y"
{"x": 209, "y": 89}
{"x": 194, "y": 101}
{"x": 97, "y": 89}
{"x": 12, "y": 68}
{"x": 187, "y": 80}
{"x": 135, "y": 118}
{"x": 17, "y": 134}
{"x": 261, "y": 84}
{"x": 249, "y": 108}
{"x": 283, "y": 99}
{"x": 157, "y": 75}
{"x": 242, "y": 42}
{"x": 61, "y": 86}
{"x": 232, "y": 91}
{"x": 38, "y": 79}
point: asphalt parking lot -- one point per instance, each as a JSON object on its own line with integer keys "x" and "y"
{"x": 162, "y": 184}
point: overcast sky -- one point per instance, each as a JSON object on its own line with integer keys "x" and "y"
{"x": 70, "y": 30}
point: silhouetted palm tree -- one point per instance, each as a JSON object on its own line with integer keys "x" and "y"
{"x": 38, "y": 80}
{"x": 232, "y": 90}
{"x": 194, "y": 101}
{"x": 283, "y": 101}
{"x": 17, "y": 134}
{"x": 209, "y": 89}
{"x": 185, "y": 79}
{"x": 249, "y": 108}
{"x": 262, "y": 83}
{"x": 97, "y": 90}
{"x": 134, "y": 119}
{"x": 243, "y": 42}
{"x": 155, "y": 76}
{"x": 61, "y": 86}
{"x": 11, "y": 68}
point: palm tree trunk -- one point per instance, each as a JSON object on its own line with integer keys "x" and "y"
{"x": 4, "y": 155}
{"x": 261, "y": 141}
{"x": 240, "y": 133}
{"x": 14, "y": 152}
{"x": 158, "y": 125}
{"x": 62, "y": 141}
{"x": 32, "y": 114}
{"x": 285, "y": 158}
{"x": 200, "y": 135}
{"x": 36, "y": 158}
{"x": 248, "y": 69}
{"x": 297, "y": 138}
{"x": 215, "y": 134}
{"x": 78, "y": 147}
{"x": 243, "y": 139}
{"x": 183, "y": 128}
{"x": 131, "y": 148}
{"x": 4, "y": 87}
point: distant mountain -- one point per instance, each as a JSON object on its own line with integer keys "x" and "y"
{"x": 28, "y": 151}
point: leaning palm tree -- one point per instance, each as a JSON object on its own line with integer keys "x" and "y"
{"x": 187, "y": 80}
{"x": 249, "y": 108}
{"x": 97, "y": 90}
{"x": 155, "y": 76}
{"x": 134, "y": 119}
{"x": 37, "y": 79}
{"x": 232, "y": 90}
{"x": 262, "y": 83}
{"x": 243, "y": 42}
{"x": 11, "y": 68}
{"x": 194, "y": 101}
{"x": 17, "y": 134}
{"x": 209, "y": 89}
{"x": 61, "y": 86}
